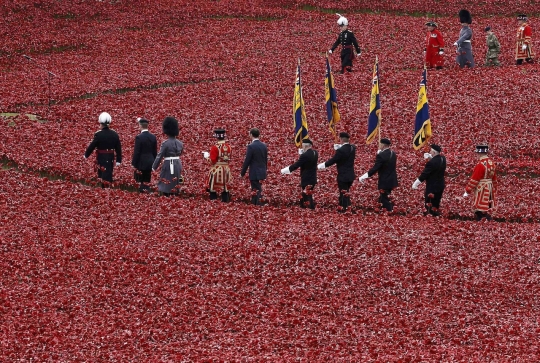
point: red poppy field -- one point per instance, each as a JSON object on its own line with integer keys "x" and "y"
{"x": 111, "y": 275}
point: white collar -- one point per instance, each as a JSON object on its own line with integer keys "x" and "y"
{"x": 254, "y": 140}
{"x": 144, "y": 130}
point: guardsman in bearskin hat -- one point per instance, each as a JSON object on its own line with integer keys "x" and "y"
{"x": 434, "y": 47}
{"x": 385, "y": 166}
{"x": 464, "y": 49}
{"x": 171, "y": 171}
{"x": 308, "y": 172}
{"x": 493, "y": 48}
{"x": 482, "y": 184}
{"x": 107, "y": 144}
{"x": 524, "y": 50}
{"x": 433, "y": 175}
{"x": 220, "y": 174}
{"x": 344, "y": 160}
{"x": 347, "y": 40}
{"x": 144, "y": 154}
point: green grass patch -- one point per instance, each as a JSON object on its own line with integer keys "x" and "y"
{"x": 67, "y": 16}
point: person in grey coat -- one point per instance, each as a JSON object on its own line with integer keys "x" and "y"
{"x": 170, "y": 151}
{"x": 464, "y": 48}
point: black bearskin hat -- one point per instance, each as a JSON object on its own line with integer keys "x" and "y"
{"x": 170, "y": 126}
{"x": 465, "y": 16}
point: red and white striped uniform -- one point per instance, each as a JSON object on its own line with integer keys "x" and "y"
{"x": 482, "y": 183}
{"x": 524, "y": 37}
{"x": 220, "y": 174}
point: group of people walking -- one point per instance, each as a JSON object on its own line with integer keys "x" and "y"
{"x": 146, "y": 159}
{"x": 434, "y": 49}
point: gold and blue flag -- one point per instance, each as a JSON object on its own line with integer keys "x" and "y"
{"x": 422, "y": 124}
{"x": 299, "y": 113}
{"x": 332, "y": 111}
{"x": 374, "y": 118}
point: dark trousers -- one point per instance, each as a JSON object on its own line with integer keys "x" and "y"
{"x": 347, "y": 56}
{"x": 384, "y": 200}
{"x": 520, "y": 61}
{"x": 479, "y": 215}
{"x": 433, "y": 202}
{"x": 307, "y": 197}
{"x": 344, "y": 199}
{"x": 143, "y": 177}
{"x": 256, "y": 188}
{"x": 225, "y": 196}
{"x": 105, "y": 165}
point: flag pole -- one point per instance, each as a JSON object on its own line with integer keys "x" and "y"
{"x": 379, "y": 87}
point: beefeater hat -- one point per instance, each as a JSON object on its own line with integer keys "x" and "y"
{"x": 465, "y": 16}
{"x": 431, "y": 23}
{"x": 484, "y": 149}
{"x": 522, "y": 17}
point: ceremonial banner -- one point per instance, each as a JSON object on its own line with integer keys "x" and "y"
{"x": 374, "y": 118}
{"x": 299, "y": 114}
{"x": 332, "y": 111}
{"x": 422, "y": 124}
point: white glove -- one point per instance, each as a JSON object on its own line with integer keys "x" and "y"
{"x": 85, "y": 157}
{"x": 363, "y": 177}
{"x": 285, "y": 171}
{"x": 455, "y": 44}
{"x": 416, "y": 184}
{"x": 206, "y": 154}
{"x": 379, "y": 151}
{"x": 465, "y": 195}
{"x": 330, "y": 51}
{"x": 117, "y": 163}
{"x": 427, "y": 156}
{"x": 357, "y": 54}
{"x": 300, "y": 151}
{"x": 321, "y": 166}
{"x": 337, "y": 146}
{"x": 523, "y": 47}
{"x": 138, "y": 119}
{"x": 441, "y": 52}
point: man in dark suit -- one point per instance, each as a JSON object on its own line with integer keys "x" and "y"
{"x": 106, "y": 143}
{"x": 385, "y": 166}
{"x": 256, "y": 160}
{"x": 144, "y": 154}
{"x": 308, "y": 172}
{"x": 344, "y": 160}
{"x": 433, "y": 175}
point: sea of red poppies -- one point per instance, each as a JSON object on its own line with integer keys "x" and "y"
{"x": 111, "y": 275}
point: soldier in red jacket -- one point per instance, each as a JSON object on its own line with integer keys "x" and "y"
{"x": 220, "y": 174}
{"x": 434, "y": 47}
{"x": 524, "y": 44}
{"x": 482, "y": 184}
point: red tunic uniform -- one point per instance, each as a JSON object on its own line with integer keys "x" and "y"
{"x": 482, "y": 182}
{"x": 434, "y": 43}
{"x": 220, "y": 174}
{"x": 524, "y": 36}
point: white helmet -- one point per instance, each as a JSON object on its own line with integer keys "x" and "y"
{"x": 104, "y": 118}
{"x": 342, "y": 20}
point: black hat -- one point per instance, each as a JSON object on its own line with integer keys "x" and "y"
{"x": 385, "y": 141}
{"x": 522, "y": 17}
{"x": 465, "y": 16}
{"x": 219, "y": 133}
{"x": 307, "y": 141}
{"x": 170, "y": 126}
{"x": 487, "y": 28}
{"x": 431, "y": 23}
{"x": 344, "y": 135}
{"x": 142, "y": 120}
{"x": 436, "y": 147}
{"x": 482, "y": 149}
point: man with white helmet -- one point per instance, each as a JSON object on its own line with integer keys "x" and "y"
{"x": 347, "y": 40}
{"x": 107, "y": 144}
